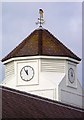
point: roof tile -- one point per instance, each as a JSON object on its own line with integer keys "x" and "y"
{"x": 41, "y": 42}
{"x": 17, "y": 104}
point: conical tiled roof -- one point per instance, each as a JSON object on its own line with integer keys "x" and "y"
{"x": 41, "y": 42}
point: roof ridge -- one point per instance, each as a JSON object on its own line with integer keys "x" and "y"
{"x": 61, "y": 44}
{"x": 40, "y": 41}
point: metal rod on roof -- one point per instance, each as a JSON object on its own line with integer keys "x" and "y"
{"x": 40, "y": 19}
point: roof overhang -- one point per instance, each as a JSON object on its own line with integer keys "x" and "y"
{"x": 41, "y": 57}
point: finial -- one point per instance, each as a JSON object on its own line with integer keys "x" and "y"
{"x": 40, "y": 19}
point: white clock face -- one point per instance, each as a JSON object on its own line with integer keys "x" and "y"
{"x": 27, "y": 73}
{"x": 71, "y": 75}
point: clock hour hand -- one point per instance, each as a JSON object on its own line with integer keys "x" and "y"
{"x": 26, "y": 71}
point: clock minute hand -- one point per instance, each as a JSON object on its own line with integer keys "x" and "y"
{"x": 26, "y": 71}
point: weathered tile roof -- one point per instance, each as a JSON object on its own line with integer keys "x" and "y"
{"x": 41, "y": 42}
{"x": 18, "y": 104}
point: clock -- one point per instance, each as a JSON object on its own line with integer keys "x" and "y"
{"x": 71, "y": 75}
{"x": 27, "y": 73}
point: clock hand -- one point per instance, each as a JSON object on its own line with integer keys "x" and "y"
{"x": 71, "y": 74}
{"x": 26, "y": 71}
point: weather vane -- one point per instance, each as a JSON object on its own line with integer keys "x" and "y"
{"x": 40, "y": 19}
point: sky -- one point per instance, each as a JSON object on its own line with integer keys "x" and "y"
{"x": 62, "y": 19}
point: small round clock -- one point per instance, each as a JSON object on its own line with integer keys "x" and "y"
{"x": 27, "y": 73}
{"x": 71, "y": 75}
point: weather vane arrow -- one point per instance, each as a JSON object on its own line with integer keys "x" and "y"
{"x": 40, "y": 19}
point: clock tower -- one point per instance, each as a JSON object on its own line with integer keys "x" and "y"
{"x": 44, "y": 66}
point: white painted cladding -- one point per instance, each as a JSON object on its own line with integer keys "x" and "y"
{"x": 71, "y": 98}
{"x": 52, "y": 65}
{"x": 50, "y": 79}
{"x": 47, "y": 93}
{"x": 9, "y": 69}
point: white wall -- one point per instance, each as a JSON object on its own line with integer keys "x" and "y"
{"x": 48, "y": 74}
{"x": 50, "y": 79}
{"x": 69, "y": 94}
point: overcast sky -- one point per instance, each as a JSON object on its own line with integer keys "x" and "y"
{"x": 62, "y": 19}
